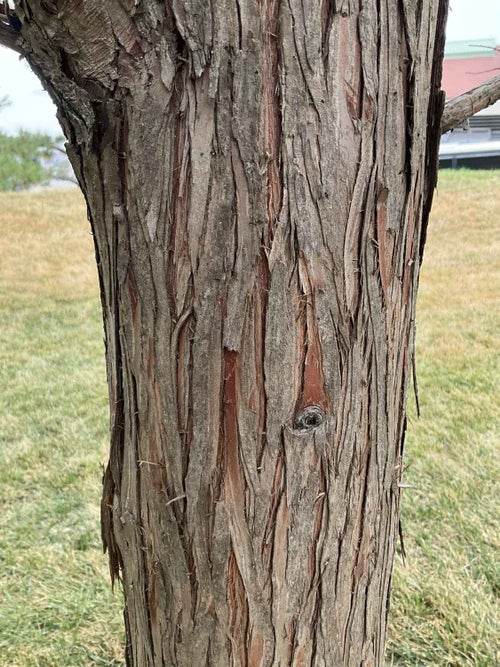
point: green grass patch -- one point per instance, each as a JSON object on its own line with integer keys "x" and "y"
{"x": 56, "y": 606}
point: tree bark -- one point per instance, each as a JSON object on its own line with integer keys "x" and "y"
{"x": 258, "y": 177}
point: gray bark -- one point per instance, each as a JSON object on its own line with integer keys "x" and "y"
{"x": 258, "y": 178}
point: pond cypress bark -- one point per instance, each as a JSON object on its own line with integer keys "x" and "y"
{"x": 258, "y": 176}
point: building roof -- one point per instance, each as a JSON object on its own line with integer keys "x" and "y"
{"x": 469, "y": 48}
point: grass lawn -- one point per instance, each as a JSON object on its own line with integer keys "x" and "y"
{"x": 56, "y": 606}
{"x": 445, "y": 598}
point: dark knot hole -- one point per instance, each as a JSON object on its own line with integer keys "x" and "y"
{"x": 309, "y": 418}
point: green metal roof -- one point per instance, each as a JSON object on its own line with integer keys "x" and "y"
{"x": 469, "y": 48}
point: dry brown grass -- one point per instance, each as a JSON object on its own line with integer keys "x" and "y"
{"x": 48, "y": 250}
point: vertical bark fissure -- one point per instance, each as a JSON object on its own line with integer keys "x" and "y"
{"x": 260, "y": 308}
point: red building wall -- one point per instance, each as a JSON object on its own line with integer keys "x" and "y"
{"x": 462, "y": 74}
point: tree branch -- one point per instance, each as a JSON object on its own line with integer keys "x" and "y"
{"x": 460, "y": 108}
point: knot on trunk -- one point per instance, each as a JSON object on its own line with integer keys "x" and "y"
{"x": 308, "y": 419}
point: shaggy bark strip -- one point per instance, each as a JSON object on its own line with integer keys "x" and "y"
{"x": 258, "y": 178}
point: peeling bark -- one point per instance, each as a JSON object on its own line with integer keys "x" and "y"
{"x": 258, "y": 177}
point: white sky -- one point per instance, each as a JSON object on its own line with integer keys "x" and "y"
{"x": 32, "y": 109}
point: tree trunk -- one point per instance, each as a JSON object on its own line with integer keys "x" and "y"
{"x": 258, "y": 177}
